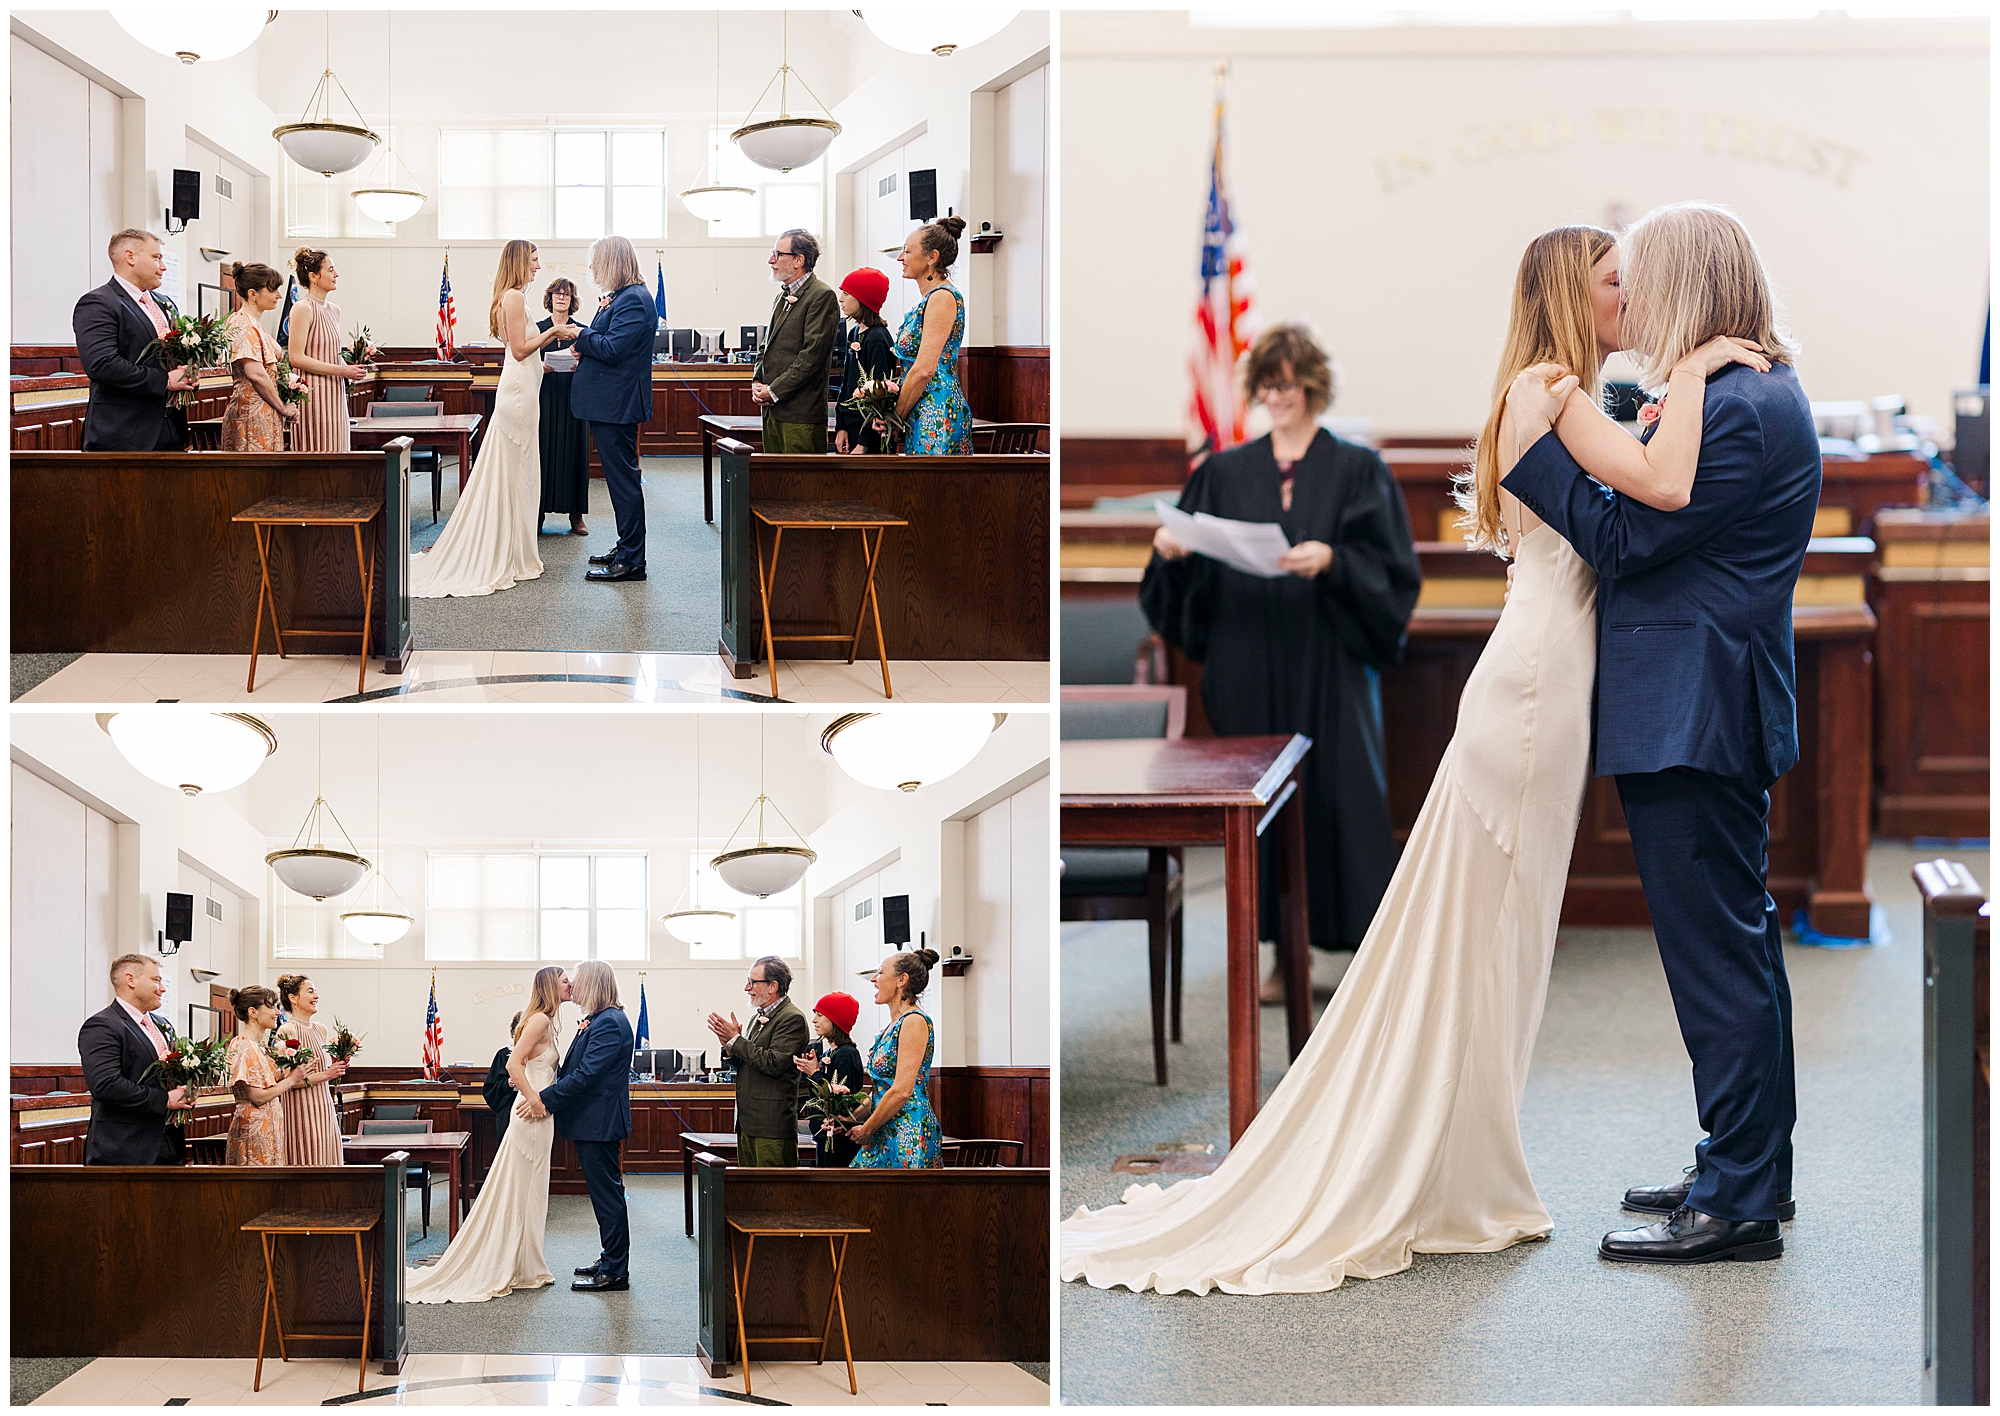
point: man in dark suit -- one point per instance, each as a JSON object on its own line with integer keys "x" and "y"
{"x": 613, "y": 392}
{"x": 767, "y": 1077}
{"x": 790, "y": 381}
{"x": 1696, "y": 718}
{"x": 128, "y": 1115}
{"x": 591, "y": 1099}
{"x": 114, "y": 324}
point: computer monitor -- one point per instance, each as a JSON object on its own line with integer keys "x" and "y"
{"x": 749, "y": 336}
{"x": 683, "y": 344}
{"x": 711, "y": 342}
{"x": 663, "y": 341}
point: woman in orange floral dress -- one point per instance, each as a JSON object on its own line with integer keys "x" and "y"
{"x": 254, "y": 420}
{"x": 257, "y": 1130}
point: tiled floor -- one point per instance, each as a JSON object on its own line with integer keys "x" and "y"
{"x": 435, "y": 1379}
{"x": 499, "y": 676}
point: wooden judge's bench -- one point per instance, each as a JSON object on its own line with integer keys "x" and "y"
{"x": 1889, "y": 620}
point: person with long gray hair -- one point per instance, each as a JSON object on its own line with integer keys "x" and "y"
{"x": 613, "y": 392}
{"x": 592, "y": 1103}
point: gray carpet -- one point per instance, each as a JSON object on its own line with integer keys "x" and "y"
{"x": 30, "y": 1377}
{"x": 676, "y": 609}
{"x": 1609, "y": 1103}
{"x": 657, "y": 1315}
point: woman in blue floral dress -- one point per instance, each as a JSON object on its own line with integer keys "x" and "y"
{"x": 932, "y": 400}
{"x": 900, "y": 1132}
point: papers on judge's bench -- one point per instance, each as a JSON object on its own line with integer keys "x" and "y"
{"x": 1253, "y": 547}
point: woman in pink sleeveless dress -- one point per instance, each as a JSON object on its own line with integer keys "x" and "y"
{"x": 312, "y": 1119}
{"x": 314, "y": 347}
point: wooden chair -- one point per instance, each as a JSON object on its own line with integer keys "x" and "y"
{"x": 1108, "y": 882}
{"x": 208, "y": 1150}
{"x": 983, "y": 1152}
{"x": 416, "y": 1177}
{"x": 205, "y": 435}
{"x": 1010, "y": 438}
{"x": 412, "y": 401}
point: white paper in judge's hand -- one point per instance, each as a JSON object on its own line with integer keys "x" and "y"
{"x": 1253, "y": 547}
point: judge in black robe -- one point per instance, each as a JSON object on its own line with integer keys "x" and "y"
{"x": 1304, "y": 655}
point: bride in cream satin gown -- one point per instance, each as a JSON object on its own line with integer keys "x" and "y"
{"x": 1397, "y": 1131}
{"x": 489, "y": 542}
{"x": 499, "y": 1247}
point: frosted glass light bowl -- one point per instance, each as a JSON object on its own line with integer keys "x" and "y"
{"x": 188, "y": 749}
{"x": 784, "y": 143}
{"x": 194, "y": 34}
{"x": 317, "y": 871}
{"x": 763, "y": 870}
{"x": 905, "y": 751}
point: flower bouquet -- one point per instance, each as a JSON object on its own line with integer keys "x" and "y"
{"x": 288, "y": 1054}
{"x": 192, "y": 342}
{"x": 290, "y": 390}
{"x": 876, "y": 399}
{"x": 361, "y": 349}
{"x": 832, "y": 1102}
{"x": 193, "y": 1064}
{"x": 343, "y": 1044}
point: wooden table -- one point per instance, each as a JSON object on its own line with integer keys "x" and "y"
{"x": 768, "y": 1224}
{"x": 1205, "y": 792}
{"x": 448, "y": 432}
{"x": 310, "y": 1221}
{"x": 749, "y": 430}
{"x": 783, "y": 516}
{"x": 272, "y": 512}
{"x": 722, "y": 1143}
{"x": 445, "y": 1148}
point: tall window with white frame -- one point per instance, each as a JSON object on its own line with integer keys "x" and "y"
{"x": 539, "y": 184}
{"x": 558, "y": 905}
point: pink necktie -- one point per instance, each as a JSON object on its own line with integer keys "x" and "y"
{"x": 152, "y": 1032}
{"x": 159, "y": 320}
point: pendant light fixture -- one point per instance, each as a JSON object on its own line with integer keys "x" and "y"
{"x": 936, "y": 29}
{"x": 190, "y": 750}
{"x": 763, "y": 870}
{"x": 378, "y": 926}
{"x": 317, "y": 870}
{"x": 316, "y": 142}
{"x": 385, "y": 202}
{"x": 688, "y": 921}
{"x": 910, "y": 751}
{"x": 714, "y": 201}
{"x": 785, "y": 142}
{"x": 194, "y": 34}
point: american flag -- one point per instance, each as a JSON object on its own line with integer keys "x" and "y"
{"x": 433, "y": 1035}
{"x": 447, "y": 326}
{"x": 1223, "y": 325}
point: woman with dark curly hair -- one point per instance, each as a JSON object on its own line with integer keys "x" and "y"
{"x": 565, "y": 437}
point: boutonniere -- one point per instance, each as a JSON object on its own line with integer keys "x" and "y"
{"x": 855, "y": 346}
{"x": 791, "y": 300}
{"x": 1649, "y": 413}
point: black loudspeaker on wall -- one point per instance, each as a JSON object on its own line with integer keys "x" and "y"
{"x": 923, "y": 194}
{"x": 187, "y": 195}
{"x": 180, "y": 922}
{"x": 896, "y": 920}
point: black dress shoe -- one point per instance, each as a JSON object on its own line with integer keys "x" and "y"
{"x": 590, "y": 1272}
{"x": 1665, "y": 1199}
{"x": 598, "y": 1283}
{"x": 1691, "y": 1237}
{"x": 608, "y": 558}
{"x": 617, "y": 572}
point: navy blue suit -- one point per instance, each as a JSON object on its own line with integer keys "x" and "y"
{"x": 1696, "y": 717}
{"x": 591, "y": 1100}
{"x": 613, "y": 392}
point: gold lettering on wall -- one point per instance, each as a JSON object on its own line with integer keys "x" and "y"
{"x": 499, "y": 991}
{"x": 1725, "y": 136}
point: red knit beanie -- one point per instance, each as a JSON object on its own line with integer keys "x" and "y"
{"x": 871, "y": 288}
{"x": 840, "y": 1009}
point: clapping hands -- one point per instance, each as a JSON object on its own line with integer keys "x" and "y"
{"x": 725, "y": 1029}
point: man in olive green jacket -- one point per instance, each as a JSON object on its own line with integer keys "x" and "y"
{"x": 789, "y": 383}
{"x": 767, "y": 1077}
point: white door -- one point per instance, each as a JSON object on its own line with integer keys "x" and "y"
{"x": 64, "y": 862}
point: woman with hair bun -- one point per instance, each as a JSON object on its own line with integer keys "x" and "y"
{"x": 314, "y": 348}
{"x": 933, "y": 400}
{"x": 901, "y": 1132}
{"x": 255, "y": 416}
{"x": 312, "y": 1121}
{"x": 257, "y": 1130}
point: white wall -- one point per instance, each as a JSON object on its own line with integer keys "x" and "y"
{"x": 158, "y": 832}
{"x": 1020, "y": 207}
{"x": 64, "y": 868}
{"x": 66, "y": 199}
{"x": 876, "y": 842}
{"x": 1386, "y": 181}
{"x": 1007, "y": 871}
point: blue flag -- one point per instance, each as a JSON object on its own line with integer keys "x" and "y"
{"x": 660, "y": 309}
{"x": 644, "y": 1033}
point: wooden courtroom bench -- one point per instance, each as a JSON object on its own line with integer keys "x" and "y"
{"x": 955, "y": 1267}
{"x": 967, "y": 579}
{"x": 150, "y": 1261}
{"x": 119, "y": 552}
